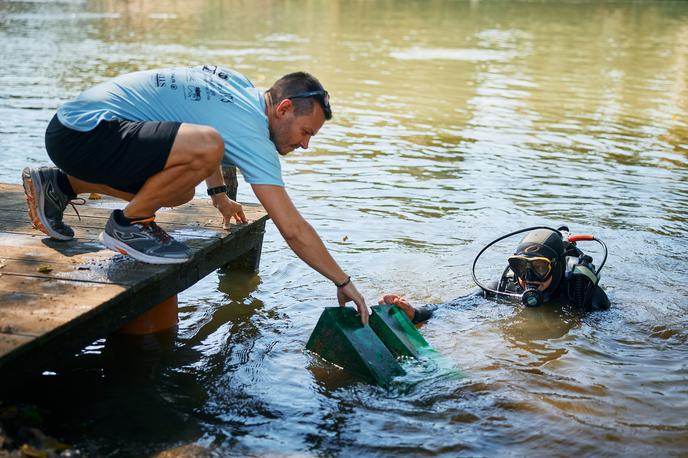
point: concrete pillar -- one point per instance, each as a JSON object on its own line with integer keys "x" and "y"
{"x": 159, "y": 318}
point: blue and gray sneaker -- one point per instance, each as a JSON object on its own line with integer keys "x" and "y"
{"x": 144, "y": 241}
{"x": 46, "y": 202}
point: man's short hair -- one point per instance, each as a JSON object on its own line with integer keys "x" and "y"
{"x": 295, "y": 85}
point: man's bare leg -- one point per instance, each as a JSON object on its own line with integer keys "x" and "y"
{"x": 81, "y": 187}
{"x": 196, "y": 153}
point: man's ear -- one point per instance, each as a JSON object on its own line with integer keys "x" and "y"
{"x": 283, "y": 108}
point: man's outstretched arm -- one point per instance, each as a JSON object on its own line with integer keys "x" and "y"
{"x": 306, "y": 243}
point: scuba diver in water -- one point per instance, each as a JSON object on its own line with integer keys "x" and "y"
{"x": 547, "y": 266}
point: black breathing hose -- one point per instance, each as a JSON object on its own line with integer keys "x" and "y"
{"x": 604, "y": 245}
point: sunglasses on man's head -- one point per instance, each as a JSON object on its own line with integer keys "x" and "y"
{"x": 321, "y": 96}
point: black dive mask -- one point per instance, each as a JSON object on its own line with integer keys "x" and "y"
{"x": 531, "y": 269}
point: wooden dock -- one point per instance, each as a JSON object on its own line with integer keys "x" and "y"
{"x": 57, "y": 297}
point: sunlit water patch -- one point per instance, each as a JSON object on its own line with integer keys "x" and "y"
{"x": 473, "y": 55}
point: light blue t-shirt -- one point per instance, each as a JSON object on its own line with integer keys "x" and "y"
{"x": 208, "y": 95}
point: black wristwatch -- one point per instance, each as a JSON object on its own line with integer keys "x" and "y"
{"x": 343, "y": 284}
{"x": 217, "y": 190}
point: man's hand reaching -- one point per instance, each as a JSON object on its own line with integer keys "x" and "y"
{"x": 229, "y": 209}
{"x": 348, "y": 293}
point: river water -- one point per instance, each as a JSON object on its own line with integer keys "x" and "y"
{"x": 454, "y": 122}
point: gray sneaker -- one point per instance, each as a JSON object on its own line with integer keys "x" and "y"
{"x": 46, "y": 202}
{"x": 144, "y": 241}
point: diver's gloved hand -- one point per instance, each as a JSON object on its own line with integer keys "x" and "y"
{"x": 400, "y": 302}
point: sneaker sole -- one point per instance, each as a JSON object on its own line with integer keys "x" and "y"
{"x": 35, "y": 199}
{"x": 120, "y": 247}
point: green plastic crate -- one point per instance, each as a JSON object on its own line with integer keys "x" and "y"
{"x": 397, "y": 332}
{"x": 340, "y": 338}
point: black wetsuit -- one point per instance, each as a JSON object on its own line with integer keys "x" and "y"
{"x": 508, "y": 283}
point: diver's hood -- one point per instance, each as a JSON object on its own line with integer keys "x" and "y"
{"x": 541, "y": 242}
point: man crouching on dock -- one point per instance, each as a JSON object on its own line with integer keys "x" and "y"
{"x": 151, "y": 137}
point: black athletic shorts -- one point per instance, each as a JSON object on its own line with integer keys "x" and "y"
{"x": 120, "y": 154}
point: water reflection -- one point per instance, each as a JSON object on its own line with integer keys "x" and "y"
{"x": 115, "y": 390}
{"x": 536, "y": 331}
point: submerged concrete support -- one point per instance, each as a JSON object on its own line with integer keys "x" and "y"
{"x": 161, "y": 317}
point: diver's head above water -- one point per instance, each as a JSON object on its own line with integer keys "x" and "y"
{"x": 538, "y": 261}
{"x": 546, "y": 262}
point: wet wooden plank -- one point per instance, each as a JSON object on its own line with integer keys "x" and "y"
{"x": 193, "y": 215}
{"x": 11, "y": 341}
{"x": 85, "y": 233}
{"x": 43, "y": 262}
{"x": 56, "y": 297}
{"x": 35, "y": 314}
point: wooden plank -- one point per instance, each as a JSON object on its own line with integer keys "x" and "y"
{"x": 15, "y": 199}
{"x": 193, "y": 216}
{"x": 43, "y": 262}
{"x": 35, "y": 314}
{"x": 192, "y": 220}
{"x": 88, "y": 291}
{"x": 8, "y": 342}
{"x": 181, "y": 231}
{"x": 12, "y": 196}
